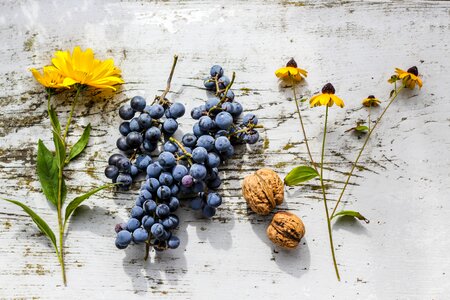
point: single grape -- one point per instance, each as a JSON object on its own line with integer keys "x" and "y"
{"x": 196, "y": 113}
{"x": 249, "y": 119}
{"x": 154, "y": 169}
{"x": 211, "y": 102}
{"x": 111, "y": 172}
{"x": 214, "y": 200}
{"x": 133, "y": 224}
{"x": 156, "y": 111}
{"x": 252, "y": 137}
{"x": 214, "y": 183}
{"x": 114, "y": 158}
{"x": 176, "y": 110}
{"x": 135, "y": 125}
{"x": 199, "y": 154}
{"x": 228, "y": 107}
{"x": 222, "y": 144}
{"x": 208, "y": 211}
{"x": 178, "y": 172}
{"x": 145, "y": 121}
{"x": 213, "y": 160}
{"x": 137, "y": 212}
{"x": 149, "y": 206}
{"x": 123, "y": 238}
{"x": 237, "y": 109}
{"x": 124, "y": 128}
{"x": 134, "y": 170}
{"x": 157, "y": 230}
{"x": 206, "y": 141}
{"x": 189, "y": 140}
{"x": 173, "y": 204}
{"x": 167, "y": 160}
{"x": 224, "y": 120}
{"x": 134, "y": 139}
{"x": 224, "y": 81}
{"x": 170, "y": 126}
{"x": 149, "y": 146}
{"x": 124, "y": 164}
{"x": 143, "y": 161}
{"x": 153, "y": 134}
{"x": 124, "y": 179}
{"x": 216, "y": 70}
{"x": 153, "y": 184}
{"x": 209, "y": 84}
{"x": 187, "y": 181}
{"x": 166, "y": 178}
{"x": 138, "y": 103}
{"x": 163, "y": 192}
{"x": 173, "y": 242}
{"x": 140, "y": 235}
{"x": 205, "y": 123}
{"x": 146, "y": 194}
{"x": 198, "y": 171}
{"x": 122, "y": 144}
{"x": 170, "y": 147}
{"x": 198, "y": 131}
{"x": 126, "y": 112}
{"x": 148, "y": 222}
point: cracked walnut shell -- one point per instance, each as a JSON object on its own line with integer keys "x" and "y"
{"x": 286, "y": 230}
{"x": 263, "y": 190}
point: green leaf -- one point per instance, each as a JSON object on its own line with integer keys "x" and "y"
{"x": 41, "y": 224}
{"x": 60, "y": 149}
{"x": 361, "y": 128}
{"x": 300, "y": 174}
{"x": 54, "y": 120}
{"x": 47, "y": 171}
{"x": 80, "y": 144}
{"x": 73, "y": 205}
{"x": 351, "y": 213}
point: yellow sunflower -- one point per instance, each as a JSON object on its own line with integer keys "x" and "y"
{"x": 409, "y": 78}
{"x": 327, "y": 97}
{"x": 50, "y": 77}
{"x": 291, "y": 71}
{"x": 371, "y": 101}
{"x": 82, "y": 68}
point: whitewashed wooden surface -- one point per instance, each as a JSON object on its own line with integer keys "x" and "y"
{"x": 404, "y": 187}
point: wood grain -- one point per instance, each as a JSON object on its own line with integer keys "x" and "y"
{"x": 402, "y": 187}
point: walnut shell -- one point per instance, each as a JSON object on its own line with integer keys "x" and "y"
{"x": 258, "y": 194}
{"x": 275, "y": 182}
{"x": 286, "y": 230}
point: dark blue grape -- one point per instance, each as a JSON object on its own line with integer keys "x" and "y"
{"x": 153, "y": 134}
{"x": 170, "y": 126}
{"x": 154, "y": 169}
{"x": 145, "y": 121}
{"x": 178, "y": 172}
{"x": 173, "y": 204}
{"x": 122, "y": 144}
{"x": 137, "y": 212}
{"x": 196, "y": 203}
{"x": 249, "y": 119}
{"x": 140, "y": 235}
{"x": 211, "y": 102}
{"x": 222, "y": 144}
{"x": 149, "y": 206}
{"x": 208, "y": 211}
{"x": 126, "y": 112}
{"x": 135, "y": 125}
{"x": 196, "y": 113}
{"x": 138, "y": 103}
{"x": 173, "y": 242}
{"x": 148, "y": 222}
{"x": 163, "y": 192}
{"x": 156, "y": 111}
{"x": 133, "y": 224}
{"x": 124, "y": 128}
{"x": 213, "y": 160}
{"x": 206, "y": 141}
{"x": 209, "y": 84}
{"x": 111, "y": 172}
{"x": 216, "y": 70}
{"x": 224, "y": 120}
{"x": 205, "y": 123}
{"x": 123, "y": 238}
{"x": 198, "y": 171}
{"x": 224, "y": 81}
{"x": 176, "y": 110}
{"x": 214, "y": 200}
{"x": 189, "y": 140}
{"x": 153, "y": 184}
{"x": 166, "y": 178}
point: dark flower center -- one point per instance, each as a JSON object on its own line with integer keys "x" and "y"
{"x": 328, "y": 89}
{"x": 291, "y": 63}
{"x": 371, "y": 97}
{"x": 413, "y": 70}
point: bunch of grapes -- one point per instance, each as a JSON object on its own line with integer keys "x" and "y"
{"x": 186, "y": 168}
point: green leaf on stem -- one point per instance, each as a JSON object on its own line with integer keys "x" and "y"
{"x": 73, "y": 205}
{"x": 54, "y": 120}
{"x": 80, "y": 144}
{"x": 361, "y": 128}
{"x": 300, "y": 174}
{"x": 41, "y": 224}
{"x": 60, "y": 149}
{"x": 351, "y": 213}
{"x": 47, "y": 171}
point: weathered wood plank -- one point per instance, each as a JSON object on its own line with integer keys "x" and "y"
{"x": 403, "y": 188}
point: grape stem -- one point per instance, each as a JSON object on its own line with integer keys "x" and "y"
{"x": 224, "y": 96}
{"x": 169, "y": 80}
{"x": 188, "y": 155}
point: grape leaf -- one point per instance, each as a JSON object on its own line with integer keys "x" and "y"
{"x": 300, "y": 174}
{"x": 41, "y": 224}
{"x": 80, "y": 144}
{"x": 351, "y": 213}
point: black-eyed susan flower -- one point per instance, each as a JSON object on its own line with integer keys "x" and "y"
{"x": 84, "y": 69}
{"x": 327, "y": 97}
{"x": 410, "y": 77}
{"x": 371, "y": 101}
{"x": 291, "y": 71}
{"x": 50, "y": 77}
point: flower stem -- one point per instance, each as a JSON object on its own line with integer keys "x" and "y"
{"x": 393, "y": 97}
{"x": 66, "y": 131}
{"x": 302, "y": 126}
{"x": 330, "y": 234}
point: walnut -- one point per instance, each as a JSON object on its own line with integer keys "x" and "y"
{"x": 263, "y": 190}
{"x": 286, "y": 230}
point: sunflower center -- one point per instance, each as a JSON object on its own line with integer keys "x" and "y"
{"x": 292, "y": 63}
{"x": 328, "y": 89}
{"x": 413, "y": 70}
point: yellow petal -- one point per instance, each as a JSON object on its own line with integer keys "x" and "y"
{"x": 339, "y": 102}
